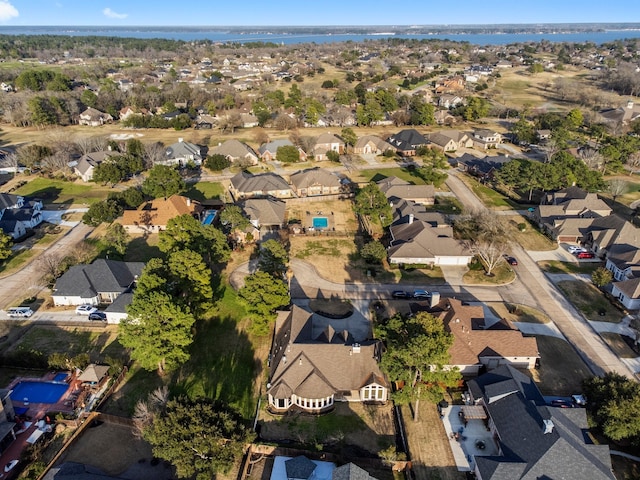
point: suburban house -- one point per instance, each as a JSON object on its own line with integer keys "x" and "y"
{"x": 443, "y": 117}
{"x": 449, "y": 100}
{"x": 623, "y": 261}
{"x": 18, "y": 215}
{"x": 479, "y": 343}
{"x": 372, "y": 144}
{"x": 396, "y": 189}
{"x": 327, "y": 142}
{"x": 450, "y": 140}
{"x": 268, "y": 151}
{"x": 483, "y": 168}
{"x": 128, "y": 111}
{"x": 236, "y": 152}
{"x": 314, "y": 182}
{"x": 534, "y": 441}
{"x": 627, "y": 292}
{"x": 152, "y": 217}
{"x": 621, "y": 115}
{"x": 569, "y": 214}
{"x": 265, "y": 214}
{"x": 485, "y": 139}
{"x": 312, "y": 367}
{"x": 417, "y": 242}
{"x": 94, "y": 118}
{"x": 605, "y": 232}
{"x": 246, "y": 185}
{"x": 117, "y": 310}
{"x": 88, "y": 162}
{"x": 100, "y": 282}
{"x": 407, "y": 141}
{"x": 406, "y": 211}
{"x": 181, "y": 153}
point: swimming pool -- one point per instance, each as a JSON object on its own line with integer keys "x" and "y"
{"x": 38, "y": 392}
{"x": 60, "y": 377}
{"x": 320, "y": 222}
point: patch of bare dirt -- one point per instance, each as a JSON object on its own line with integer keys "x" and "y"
{"x": 431, "y": 455}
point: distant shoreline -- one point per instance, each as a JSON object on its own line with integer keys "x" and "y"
{"x": 475, "y": 34}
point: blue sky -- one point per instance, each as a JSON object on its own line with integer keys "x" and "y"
{"x": 303, "y": 12}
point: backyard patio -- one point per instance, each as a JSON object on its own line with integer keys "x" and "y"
{"x": 468, "y": 434}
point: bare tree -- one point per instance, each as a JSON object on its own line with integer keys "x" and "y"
{"x": 51, "y": 266}
{"x": 10, "y": 162}
{"x": 260, "y": 135}
{"x": 284, "y": 122}
{"x": 617, "y": 187}
{"x": 592, "y": 158}
{"x": 153, "y": 153}
{"x": 485, "y": 235}
{"x": 633, "y": 161}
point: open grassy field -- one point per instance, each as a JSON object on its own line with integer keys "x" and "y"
{"x": 489, "y": 197}
{"x": 60, "y": 191}
{"x": 590, "y": 301}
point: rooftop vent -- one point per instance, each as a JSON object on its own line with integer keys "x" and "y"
{"x": 548, "y": 426}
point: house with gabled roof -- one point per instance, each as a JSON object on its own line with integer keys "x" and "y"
{"x": 450, "y": 140}
{"x": 483, "y": 168}
{"x": 407, "y": 141}
{"x": 327, "y": 142}
{"x": 19, "y": 215}
{"x": 94, "y": 118}
{"x": 621, "y": 115}
{"x": 605, "y": 232}
{"x": 89, "y": 161}
{"x": 623, "y": 261}
{"x": 406, "y": 211}
{"x": 372, "y": 144}
{"x": 396, "y": 189}
{"x": 311, "y": 370}
{"x": 485, "y": 139}
{"x": 534, "y": 441}
{"x": 182, "y": 153}
{"x": 265, "y": 214}
{"x": 628, "y": 293}
{"x": 268, "y": 151}
{"x": 315, "y": 181}
{"x": 100, "y": 282}
{"x": 417, "y": 242}
{"x": 246, "y": 185}
{"x": 481, "y": 343}
{"x": 153, "y": 216}
{"x": 236, "y": 152}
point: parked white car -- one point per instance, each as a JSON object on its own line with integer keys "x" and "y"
{"x": 19, "y": 312}
{"x": 575, "y": 249}
{"x": 85, "y": 309}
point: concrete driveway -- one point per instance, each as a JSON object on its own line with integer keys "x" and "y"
{"x": 55, "y": 216}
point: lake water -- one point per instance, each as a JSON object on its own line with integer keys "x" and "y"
{"x": 216, "y": 34}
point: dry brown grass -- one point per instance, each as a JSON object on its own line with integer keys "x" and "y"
{"x": 329, "y": 255}
{"x": 431, "y": 455}
{"x": 530, "y": 238}
{"x": 518, "y": 313}
{"x": 617, "y": 343}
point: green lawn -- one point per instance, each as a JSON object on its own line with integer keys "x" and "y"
{"x": 403, "y": 173}
{"x": 590, "y": 301}
{"x": 60, "y": 191}
{"x": 490, "y": 197}
{"x": 554, "y": 266}
{"x": 501, "y": 274}
{"x": 205, "y": 191}
{"x": 16, "y": 261}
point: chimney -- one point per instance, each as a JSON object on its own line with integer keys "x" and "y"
{"x": 180, "y": 140}
{"x": 356, "y": 348}
{"x": 629, "y": 104}
{"x": 410, "y": 218}
{"x": 435, "y": 299}
{"x": 188, "y": 202}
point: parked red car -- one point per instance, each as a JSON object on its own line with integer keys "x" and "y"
{"x": 585, "y": 255}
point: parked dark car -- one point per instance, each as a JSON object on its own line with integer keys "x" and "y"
{"x": 400, "y": 294}
{"x": 561, "y": 403}
{"x": 512, "y": 261}
{"x": 98, "y": 316}
{"x": 421, "y": 294}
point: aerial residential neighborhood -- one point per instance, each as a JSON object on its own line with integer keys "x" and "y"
{"x": 362, "y": 260}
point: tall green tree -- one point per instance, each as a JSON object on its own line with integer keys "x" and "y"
{"x": 158, "y": 331}
{"x": 373, "y": 252}
{"x": 5, "y": 246}
{"x": 232, "y": 218}
{"x": 117, "y": 238}
{"x": 264, "y": 294}
{"x": 104, "y": 211}
{"x": 372, "y": 202}
{"x": 187, "y": 233}
{"x": 163, "y": 181}
{"x": 201, "y": 438}
{"x": 416, "y": 356}
{"x": 273, "y": 258}
{"x": 190, "y": 279}
{"x": 349, "y": 136}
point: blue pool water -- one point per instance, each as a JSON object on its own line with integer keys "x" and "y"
{"x": 39, "y": 392}
{"x": 60, "y": 377}
{"x": 208, "y": 220}
{"x": 320, "y": 222}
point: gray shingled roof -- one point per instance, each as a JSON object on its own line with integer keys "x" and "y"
{"x": 299, "y": 467}
{"x": 351, "y": 471}
{"x": 183, "y": 150}
{"x": 8, "y": 200}
{"x": 101, "y": 276}
{"x": 518, "y": 413}
{"x": 266, "y": 182}
{"x": 408, "y": 139}
{"x": 314, "y": 176}
{"x": 265, "y": 211}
